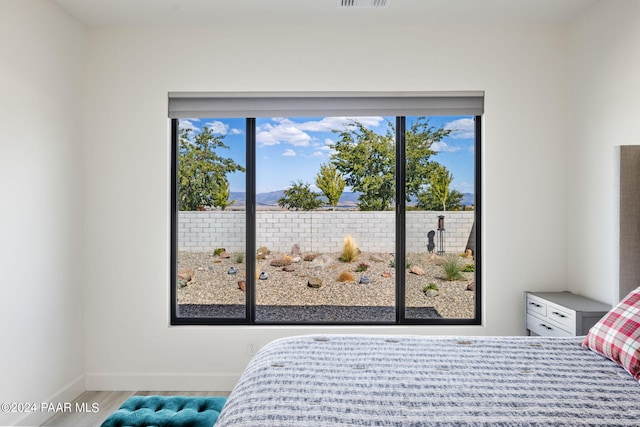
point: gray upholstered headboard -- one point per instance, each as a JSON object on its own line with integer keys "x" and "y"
{"x": 629, "y": 217}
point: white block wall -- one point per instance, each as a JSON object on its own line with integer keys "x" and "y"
{"x": 320, "y": 231}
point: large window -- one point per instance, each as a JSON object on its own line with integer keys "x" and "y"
{"x": 285, "y": 212}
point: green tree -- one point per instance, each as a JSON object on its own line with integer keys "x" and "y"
{"x": 299, "y": 196}
{"x": 367, "y": 161}
{"x": 439, "y": 194}
{"x": 221, "y": 194}
{"x": 419, "y": 140}
{"x": 331, "y": 183}
{"x": 202, "y": 173}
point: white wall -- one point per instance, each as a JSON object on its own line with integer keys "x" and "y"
{"x": 604, "y": 89}
{"x": 41, "y": 135}
{"x": 522, "y": 69}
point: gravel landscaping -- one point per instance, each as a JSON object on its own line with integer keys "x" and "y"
{"x": 287, "y": 296}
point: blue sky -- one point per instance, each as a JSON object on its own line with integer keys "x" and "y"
{"x": 291, "y": 149}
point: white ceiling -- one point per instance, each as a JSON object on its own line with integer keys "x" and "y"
{"x": 324, "y": 13}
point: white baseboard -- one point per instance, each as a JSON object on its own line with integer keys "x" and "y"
{"x": 67, "y": 394}
{"x": 161, "y": 382}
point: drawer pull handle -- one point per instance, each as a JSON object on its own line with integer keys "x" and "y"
{"x": 548, "y": 328}
{"x": 559, "y": 314}
{"x": 535, "y": 305}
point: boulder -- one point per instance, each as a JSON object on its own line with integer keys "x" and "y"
{"x": 376, "y": 258}
{"x": 242, "y": 285}
{"x": 185, "y": 274}
{"x": 262, "y": 252}
{"x": 295, "y": 250}
{"x": 281, "y": 262}
{"x": 314, "y": 282}
{"x": 417, "y": 270}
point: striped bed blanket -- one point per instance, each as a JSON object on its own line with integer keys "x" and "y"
{"x": 372, "y": 380}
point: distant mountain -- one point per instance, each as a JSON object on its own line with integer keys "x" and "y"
{"x": 468, "y": 199}
{"x": 349, "y": 199}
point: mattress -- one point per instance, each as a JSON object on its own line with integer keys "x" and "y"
{"x": 372, "y": 380}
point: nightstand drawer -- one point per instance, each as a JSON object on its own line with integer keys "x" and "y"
{"x": 536, "y": 305}
{"x": 545, "y": 328}
{"x": 561, "y": 314}
{"x": 562, "y": 317}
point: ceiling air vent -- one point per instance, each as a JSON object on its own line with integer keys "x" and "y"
{"x": 350, "y": 4}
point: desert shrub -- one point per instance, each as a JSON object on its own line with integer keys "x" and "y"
{"x": 469, "y": 268}
{"x": 407, "y": 264}
{"x": 430, "y": 286}
{"x": 362, "y": 267}
{"x": 218, "y": 251}
{"x": 239, "y": 258}
{"x": 346, "y": 276}
{"x": 452, "y": 268}
{"x": 349, "y": 249}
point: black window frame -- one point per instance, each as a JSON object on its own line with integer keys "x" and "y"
{"x": 250, "y": 296}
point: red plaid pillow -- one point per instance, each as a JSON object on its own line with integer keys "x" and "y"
{"x": 617, "y": 335}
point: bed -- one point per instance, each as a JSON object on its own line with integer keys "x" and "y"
{"x": 373, "y": 380}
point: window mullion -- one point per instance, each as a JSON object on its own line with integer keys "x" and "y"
{"x": 400, "y": 217}
{"x": 250, "y": 301}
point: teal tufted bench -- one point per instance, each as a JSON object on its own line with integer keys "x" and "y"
{"x": 167, "y": 411}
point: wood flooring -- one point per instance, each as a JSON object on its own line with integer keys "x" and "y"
{"x": 107, "y": 403}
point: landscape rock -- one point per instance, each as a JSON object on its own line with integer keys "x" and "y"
{"x": 288, "y": 268}
{"x": 310, "y": 257}
{"x": 471, "y": 286}
{"x": 185, "y": 274}
{"x": 376, "y": 258}
{"x": 417, "y": 270}
{"x": 323, "y": 261}
{"x": 224, "y": 255}
{"x": 263, "y": 275}
{"x": 295, "y": 250}
{"x": 296, "y": 259}
{"x": 281, "y": 262}
{"x": 386, "y": 274}
{"x": 314, "y": 282}
{"x": 242, "y": 285}
{"x": 262, "y": 252}
{"x": 365, "y": 280}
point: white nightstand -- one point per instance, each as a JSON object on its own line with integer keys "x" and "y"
{"x": 561, "y": 314}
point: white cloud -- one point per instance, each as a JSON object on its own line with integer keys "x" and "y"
{"x": 235, "y": 131}
{"x": 218, "y": 128}
{"x": 289, "y": 153}
{"x": 284, "y": 132}
{"x": 461, "y": 128}
{"x": 318, "y": 154}
{"x": 338, "y": 123}
{"x": 441, "y": 146}
{"x": 188, "y": 124}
